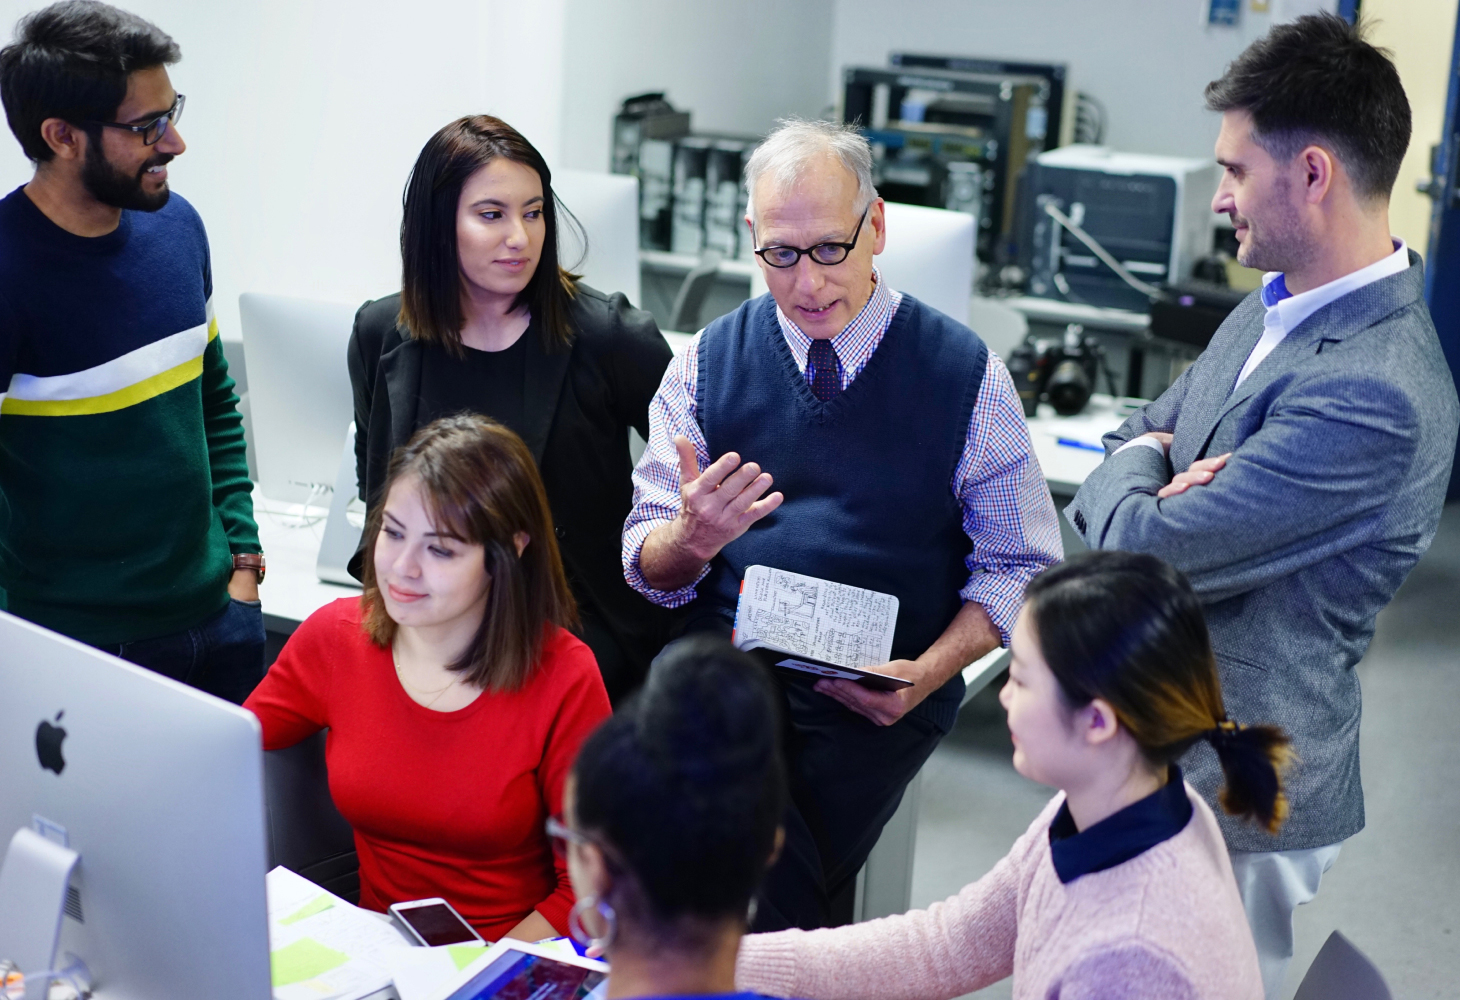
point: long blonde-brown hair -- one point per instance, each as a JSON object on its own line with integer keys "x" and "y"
{"x": 480, "y": 485}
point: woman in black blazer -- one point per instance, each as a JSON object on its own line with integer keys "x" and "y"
{"x": 487, "y": 321}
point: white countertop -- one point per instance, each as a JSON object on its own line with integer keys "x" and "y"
{"x": 1069, "y": 448}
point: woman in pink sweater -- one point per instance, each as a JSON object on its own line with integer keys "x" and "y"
{"x": 1121, "y": 887}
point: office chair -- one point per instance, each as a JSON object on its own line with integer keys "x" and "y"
{"x": 693, "y": 291}
{"x": 307, "y": 834}
{"x": 1342, "y": 972}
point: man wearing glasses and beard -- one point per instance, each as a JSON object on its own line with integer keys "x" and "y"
{"x": 900, "y": 462}
{"x": 125, "y": 512}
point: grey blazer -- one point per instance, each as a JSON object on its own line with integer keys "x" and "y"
{"x": 1342, "y": 441}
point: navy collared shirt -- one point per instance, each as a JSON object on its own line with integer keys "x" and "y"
{"x": 1122, "y": 835}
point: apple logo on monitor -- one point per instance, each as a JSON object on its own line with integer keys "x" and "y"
{"x": 48, "y": 738}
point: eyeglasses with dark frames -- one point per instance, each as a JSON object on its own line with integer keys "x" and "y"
{"x": 153, "y": 131}
{"x": 826, "y": 254}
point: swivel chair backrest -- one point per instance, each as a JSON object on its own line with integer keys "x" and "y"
{"x": 307, "y": 834}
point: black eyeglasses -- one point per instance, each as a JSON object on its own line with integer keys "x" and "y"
{"x": 153, "y": 131}
{"x": 823, "y": 253}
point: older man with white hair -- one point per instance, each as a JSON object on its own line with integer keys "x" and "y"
{"x": 901, "y": 463}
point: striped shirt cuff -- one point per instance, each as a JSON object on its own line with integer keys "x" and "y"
{"x": 635, "y": 534}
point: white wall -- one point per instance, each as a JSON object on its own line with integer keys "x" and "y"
{"x": 737, "y": 66}
{"x": 1147, "y": 60}
{"x": 304, "y": 118}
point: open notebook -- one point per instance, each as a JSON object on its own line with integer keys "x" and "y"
{"x": 815, "y": 626}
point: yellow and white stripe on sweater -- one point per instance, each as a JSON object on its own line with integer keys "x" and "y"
{"x": 133, "y": 378}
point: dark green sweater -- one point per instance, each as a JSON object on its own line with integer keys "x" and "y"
{"x": 123, "y": 484}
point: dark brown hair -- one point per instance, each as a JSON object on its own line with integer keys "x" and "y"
{"x": 1127, "y": 628}
{"x": 481, "y": 486}
{"x": 430, "y": 301}
{"x": 1316, "y": 81}
{"x": 71, "y": 60}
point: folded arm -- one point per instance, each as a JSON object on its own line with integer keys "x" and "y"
{"x": 1310, "y": 483}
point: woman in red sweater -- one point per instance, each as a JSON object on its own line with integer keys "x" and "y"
{"x": 454, "y": 696}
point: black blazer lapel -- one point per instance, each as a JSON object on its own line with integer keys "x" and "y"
{"x": 400, "y": 370}
{"x": 543, "y": 383}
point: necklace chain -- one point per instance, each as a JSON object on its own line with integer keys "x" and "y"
{"x": 400, "y": 674}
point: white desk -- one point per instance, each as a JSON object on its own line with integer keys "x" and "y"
{"x": 1069, "y": 448}
{"x": 291, "y": 590}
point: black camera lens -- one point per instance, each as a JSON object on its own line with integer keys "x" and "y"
{"x": 1069, "y": 388}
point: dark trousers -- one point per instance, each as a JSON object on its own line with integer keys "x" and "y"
{"x": 621, "y": 675}
{"x": 847, "y": 776}
{"x": 223, "y": 655}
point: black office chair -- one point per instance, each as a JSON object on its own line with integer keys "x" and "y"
{"x": 307, "y": 834}
{"x": 1342, "y": 972}
{"x": 693, "y": 291}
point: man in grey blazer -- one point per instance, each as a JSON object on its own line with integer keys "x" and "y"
{"x": 1296, "y": 471}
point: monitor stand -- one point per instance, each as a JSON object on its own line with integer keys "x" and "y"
{"x": 33, "y": 881}
{"x": 341, "y": 538}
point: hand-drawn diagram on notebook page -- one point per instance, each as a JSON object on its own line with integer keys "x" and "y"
{"x": 847, "y": 626}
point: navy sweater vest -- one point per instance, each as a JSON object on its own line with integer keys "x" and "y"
{"x": 867, "y": 475}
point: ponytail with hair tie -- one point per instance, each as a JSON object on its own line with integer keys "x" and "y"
{"x": 1253, "y": 760}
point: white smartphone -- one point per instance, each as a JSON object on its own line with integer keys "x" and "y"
{"x": 433, "y": 922}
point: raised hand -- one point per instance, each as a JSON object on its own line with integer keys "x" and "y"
{"x": 716, "y": 507}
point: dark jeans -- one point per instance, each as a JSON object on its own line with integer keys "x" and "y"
{"x": 847, "y": 777}
{"x": 223, "y": 656}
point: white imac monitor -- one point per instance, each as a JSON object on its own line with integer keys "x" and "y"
{"x": 929, "y": 255}
{"x": 607, "y": 206}
{"x": 159, "y": 788}
{"x": 299, "y": 391}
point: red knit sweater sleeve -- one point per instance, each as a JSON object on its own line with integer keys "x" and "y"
{"x": 292, "y": 701}
{"x": 583, "y": 706}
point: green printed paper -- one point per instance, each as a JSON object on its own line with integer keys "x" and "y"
{"x": 320, "y": 904}
{"x": 465, "y": 954}
{"x": 304, "y": 959}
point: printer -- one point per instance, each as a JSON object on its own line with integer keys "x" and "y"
{"x": 1150, "y": 214}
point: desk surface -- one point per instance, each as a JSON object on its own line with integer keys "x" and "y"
{"x": 290, "y": 534}
{"x": 1068, "y": 448}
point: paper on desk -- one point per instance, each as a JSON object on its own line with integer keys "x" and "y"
{"x": 322, "y": 947}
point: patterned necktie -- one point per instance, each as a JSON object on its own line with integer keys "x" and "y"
{"x": 826, "y": 381}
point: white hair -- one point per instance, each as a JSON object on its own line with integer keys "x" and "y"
{"x": 794, "y": 142}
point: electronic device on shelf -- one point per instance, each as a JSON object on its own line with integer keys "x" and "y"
{"x": 158, "y": 788}
{"x": 1060, "y": 104}
{"x": 1059, "y": 371}
{"x": 644, "y": 133}
{"x": 950, "y": 140}
{"x": 1109, "y": 229}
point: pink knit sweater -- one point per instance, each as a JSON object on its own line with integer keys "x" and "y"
{"x": 1165, "y": 925}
